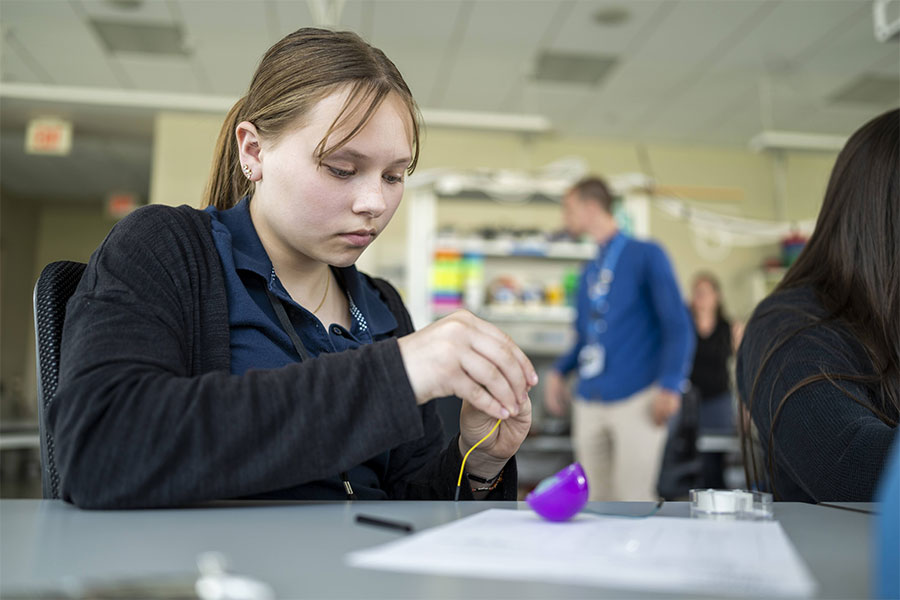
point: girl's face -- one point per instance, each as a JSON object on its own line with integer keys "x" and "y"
{"x": 329, "y": 214}
{"x": 705, "y": 298}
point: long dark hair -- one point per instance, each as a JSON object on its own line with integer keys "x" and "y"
{"x": 852, "y": 262}
{"x": 293, "y": 75}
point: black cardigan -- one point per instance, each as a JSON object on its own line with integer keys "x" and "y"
{"x": 826, "y": 446}
{"x": 148, "y": 414}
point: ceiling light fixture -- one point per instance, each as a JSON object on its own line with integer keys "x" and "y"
{"x": 795, "y": 140}
{"x": 458, "y": 119}
{"x": 464, "y": 119}
{"x": 572, "y": 68}
{"x": 611, "y": 16}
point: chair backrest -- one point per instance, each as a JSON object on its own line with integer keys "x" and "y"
{"x": 52, "y": 291}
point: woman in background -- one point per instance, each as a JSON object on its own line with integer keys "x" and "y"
{"x": 710, "y": 376}
{"x": 819, "y": 366}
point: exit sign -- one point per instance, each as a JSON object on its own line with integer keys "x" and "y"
{"x": 48, "y": 136}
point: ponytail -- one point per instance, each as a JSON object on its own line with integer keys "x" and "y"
{"x": 227, "y": 185}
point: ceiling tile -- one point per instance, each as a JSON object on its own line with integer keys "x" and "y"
{"x": 688, "y": 114}
{"x": 492, "y": 59}
{"x": 646, "y": 81}
{"x": 414, "y": 35}
{"x": 152, "y": 11}
{"x": 160, "y": 74}
{"x": 13, "y": 68}
{"x": 358, "y": 16}
{"x": 581, "y": 33}
{"x": 228, "y": 66}
{"x": 785, "y": 35}
{"x": 291, "y": 15}
{"x": 562, "y": 105}
{"x": 59, "y": 41}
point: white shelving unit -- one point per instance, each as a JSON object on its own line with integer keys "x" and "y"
{"x": 530, "y": 314}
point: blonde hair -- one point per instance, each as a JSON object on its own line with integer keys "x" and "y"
{"x": 294, "y": 74}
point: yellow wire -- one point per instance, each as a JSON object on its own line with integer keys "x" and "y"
{"x": 463, "y": 466}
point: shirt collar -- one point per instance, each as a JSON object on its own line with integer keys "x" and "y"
{"x": 604, "y": 247}
{"x": 247, "y": 250}
{"x": 379, "y": 317}
{"x": 250, "y": 255}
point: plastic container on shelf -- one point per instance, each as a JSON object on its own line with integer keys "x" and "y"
{"x": 791, "y": 247}
{"x": 473, "y": 283}
{"x": 554, "y": 294}
{"x": 532, "y": 294}
{"x": 570, "y": 286}
{"x": 446, "y": 280}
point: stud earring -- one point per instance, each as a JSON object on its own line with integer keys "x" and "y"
{"x": 247, "y": 171}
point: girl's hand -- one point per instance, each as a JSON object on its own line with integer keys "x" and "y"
{"x": 491, "y": 455}
{"x": 468, "y": 357}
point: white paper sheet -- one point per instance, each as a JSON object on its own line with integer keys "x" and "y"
{"x": 662, "y": 554}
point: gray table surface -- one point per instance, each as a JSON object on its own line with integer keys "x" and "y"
{"x": 299, "y": 548}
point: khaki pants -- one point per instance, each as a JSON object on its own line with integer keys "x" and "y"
{"x": 619, "y": 446}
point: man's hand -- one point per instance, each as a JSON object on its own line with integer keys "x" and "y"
{"x": 556, "y": 394}
{"x": 488, "y": 458}
{"x": 666, "y": 404}
{"x": 468, "y": 357}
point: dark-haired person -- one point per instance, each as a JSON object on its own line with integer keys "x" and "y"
{"x": 819, "y": 366}
{"x": 236, "y": 352}
{"x": 633, "y": 349}
{"x": 710, "y": 376}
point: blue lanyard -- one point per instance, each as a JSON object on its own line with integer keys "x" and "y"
{"x": 599, "y": 285}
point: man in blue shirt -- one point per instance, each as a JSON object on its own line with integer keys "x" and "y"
{"x": 633, "y": 351}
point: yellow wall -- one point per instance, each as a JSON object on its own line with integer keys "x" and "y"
{"x": 184, "y": 144}
{"x": 183, "y": 147}
{"x": 33, "y": 235}
{"x": 17, "y": 247}
{"x": 70, "y": 232}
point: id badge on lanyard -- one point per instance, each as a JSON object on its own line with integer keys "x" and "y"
{"x": 592, "y": 357}
{"x": 591, "y": 360}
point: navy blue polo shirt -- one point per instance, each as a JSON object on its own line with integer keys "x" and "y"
{"x": 259, "y": 342}
{"x": 257, "y": 338}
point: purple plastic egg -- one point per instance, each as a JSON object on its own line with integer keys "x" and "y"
{"x": 560, "y": 496}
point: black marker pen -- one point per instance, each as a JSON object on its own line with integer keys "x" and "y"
{"x": 379, "y": 522}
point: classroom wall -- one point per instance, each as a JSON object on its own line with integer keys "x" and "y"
{"x": 70, "y": 232}
{"x": 35, "y": 233}
{"x": 184, "y": 144}
{"x": 18, "y": 240}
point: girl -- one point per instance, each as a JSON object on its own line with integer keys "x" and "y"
{"x": 236, "y": 352}
{"x": 819, "y": 366}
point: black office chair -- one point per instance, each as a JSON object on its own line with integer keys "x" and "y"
{"x": 52, "y": 291}
{"x": 681, "y": 467}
